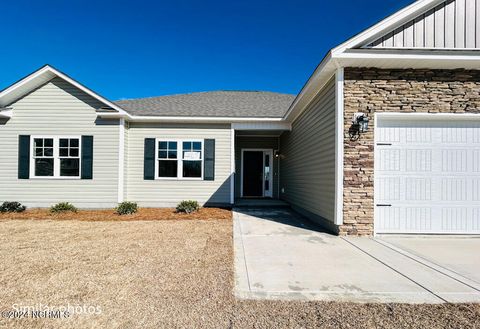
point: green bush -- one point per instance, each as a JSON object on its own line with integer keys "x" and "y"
{"x": 188, "y": 206}
{"x": 127, "y": 208}
{"x": 63, "y": 207}
{"x": 12, "y": 206}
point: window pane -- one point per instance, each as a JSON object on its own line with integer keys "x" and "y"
{"x": 48, "y": 142}
{"x": 74, "y": 142}
{"x": 162, "y": 145}
{"x": 172, "y": 154}
{"x": 187, "y": 146}
{"x": 48, "y": 152}
{"x": 39, "y": 151}
{"x": 197, "y": 146}
{"x": 162, "y": 154}
{"x": 74, "y": 152}
{"x": 172, "y": 145}
{"x": 38, "y": 142}
{"x": 69, "y": 167}
{"x": 64, "y": 152}
{"x": 43, "y": 167}
{"x": 63, "y": 142}
{"x": 192, "y": 168}
{"x": 167, "y": 168}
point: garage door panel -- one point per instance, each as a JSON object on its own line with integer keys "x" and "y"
{"x": 427, "y": 177}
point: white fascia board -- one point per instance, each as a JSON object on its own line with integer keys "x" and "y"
{"x": 409, "y": 60}
{"x": 183, "y": 119}
{"x": 278, "y": 125}
{"x": 6, "y": 114}
{"x": 313, "y": 85}
{"x": 406, "y": 54}
{"x": 388, "y": 24}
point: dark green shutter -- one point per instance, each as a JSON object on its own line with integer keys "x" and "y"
{"x": 209, "y": 162}
{"x": 23, "y": 156}
{"x": 149, "y": 159}
{"x": 87, "y": 157}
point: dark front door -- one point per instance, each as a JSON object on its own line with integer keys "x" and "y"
{"x": 253, "y": 173}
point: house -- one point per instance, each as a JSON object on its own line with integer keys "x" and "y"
{"x": 383, "y": 138}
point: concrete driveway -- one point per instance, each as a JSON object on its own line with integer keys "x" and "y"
{"x": 278, "y": 254}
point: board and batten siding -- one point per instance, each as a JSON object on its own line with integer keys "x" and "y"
{"x": 453, "y": 24}
{"x": 254, "y": 142}
{"x": 169, "y": 192}
{"x": 307, "y": 161}
{"x": 58, "y": 108}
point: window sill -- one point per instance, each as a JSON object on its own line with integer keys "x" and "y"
{"x": 178, "y": 179}
{"x": 55, "y": 178}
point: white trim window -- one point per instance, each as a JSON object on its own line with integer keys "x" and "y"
{"x": 179, "y": 159}
{"x": 55, "y": 157}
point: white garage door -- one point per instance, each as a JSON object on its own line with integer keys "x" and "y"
{"x": 427, "y": 175}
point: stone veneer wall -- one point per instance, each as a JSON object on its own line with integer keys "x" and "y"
{"x": 372, "y": 90}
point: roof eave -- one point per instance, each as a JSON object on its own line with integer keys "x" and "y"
{"x": 191, "y": 119}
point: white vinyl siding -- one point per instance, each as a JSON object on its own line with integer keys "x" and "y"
{"x": 59, "y": 109}
{"x": 454, "y": 24}
{"x": 307, "y": 164}
{"x": 168, "y": 193}
{"x": 427, "y": 176}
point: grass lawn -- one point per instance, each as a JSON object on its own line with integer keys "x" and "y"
{"x": 175, "y": 273}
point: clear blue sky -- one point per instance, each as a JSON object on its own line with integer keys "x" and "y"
{"x": 131, "y": 49}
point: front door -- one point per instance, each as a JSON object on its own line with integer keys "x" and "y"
{"x": 257, "y": 173}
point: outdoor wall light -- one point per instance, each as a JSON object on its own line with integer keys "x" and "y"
{"x": 277, "y": 153}
{"x": 359, "y": 125}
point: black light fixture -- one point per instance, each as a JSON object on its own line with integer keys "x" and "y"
{"x": 359, "y": 125}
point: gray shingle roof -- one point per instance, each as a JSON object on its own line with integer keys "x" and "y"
{"x": 212, "y": 104}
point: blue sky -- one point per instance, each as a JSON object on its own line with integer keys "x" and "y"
{"x": 131, "y": 49}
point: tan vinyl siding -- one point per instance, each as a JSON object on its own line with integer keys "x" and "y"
{"x": 257, "y": 142}
{"x": 167, "y": 193}
{"x": 307, "y": 164}
{"x": 452, "y": 24}
{"x": 58, "y": 108}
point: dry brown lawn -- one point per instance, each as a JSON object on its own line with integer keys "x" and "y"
{"x": 111, "y": 215}
{"x": 167, "y": 274}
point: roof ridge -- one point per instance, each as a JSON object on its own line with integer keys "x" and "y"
{"x": 203, "y": 92}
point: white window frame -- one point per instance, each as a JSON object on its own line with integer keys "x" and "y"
{"x": 56, "y": 156}
{"x": 179, "y": 158}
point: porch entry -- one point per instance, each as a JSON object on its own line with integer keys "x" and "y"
{"x": 257, "y": 173}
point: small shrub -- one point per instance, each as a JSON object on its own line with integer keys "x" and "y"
{"x": 127, "y": 208}
{"x": 12, "y": 206}
{"x": 63, "y": 207}
{"x": 188, "y": 206}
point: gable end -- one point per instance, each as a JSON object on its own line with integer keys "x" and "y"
{"x": 453, "y": 24}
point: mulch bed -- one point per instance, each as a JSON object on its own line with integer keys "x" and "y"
{"x": 111, "y": 215}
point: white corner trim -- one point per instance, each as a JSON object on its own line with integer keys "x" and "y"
{"x": 121, "y": 160}
{"x": 232, "y": 165}
{"x": 339, "y": 140}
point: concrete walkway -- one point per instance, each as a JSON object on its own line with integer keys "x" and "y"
{"x": 280, "y": 255}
